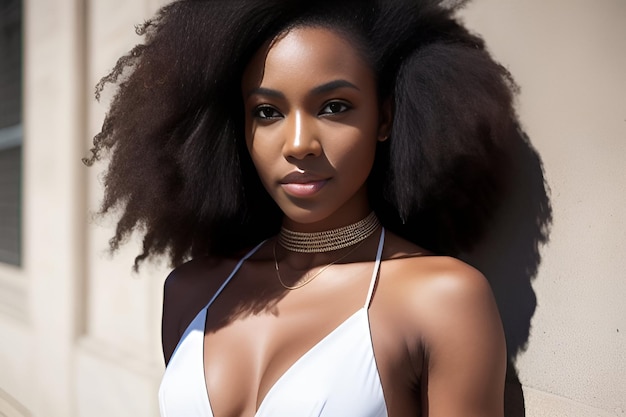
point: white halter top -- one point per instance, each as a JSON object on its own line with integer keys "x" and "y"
{"x": 337, "y": 377}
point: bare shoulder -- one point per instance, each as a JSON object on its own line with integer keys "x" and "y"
{"x": 431, "y": 291}
{"x": 438, "y": 286}
{"x": 447, "y": 316}
{"x": 439, "y": 278}
{"x": 186, "y": 291}
{"x": 415, "y": 269}
{"x": 190, "y": 275}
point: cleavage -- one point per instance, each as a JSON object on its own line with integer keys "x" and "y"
{"x": 246, "y": 358}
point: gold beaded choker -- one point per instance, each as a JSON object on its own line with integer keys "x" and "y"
{"x": 329, "y": 240}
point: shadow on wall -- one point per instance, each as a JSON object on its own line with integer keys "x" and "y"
{"x": 509, "y": 257}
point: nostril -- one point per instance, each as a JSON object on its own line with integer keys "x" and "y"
{"x": 302, "y": 149}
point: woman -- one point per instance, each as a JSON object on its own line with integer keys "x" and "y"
{"x": 314, "y": 161}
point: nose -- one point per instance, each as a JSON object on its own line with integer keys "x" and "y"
{"x": 301, "y": 139}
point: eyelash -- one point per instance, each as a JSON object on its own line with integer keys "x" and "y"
{"x": 258, "y": 112}
{"x": 344, "y": 107}
{"x": 275, "y": 114}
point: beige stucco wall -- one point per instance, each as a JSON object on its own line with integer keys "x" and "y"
{"x": 569, "y": 58}
{"x": 79, "y": 334}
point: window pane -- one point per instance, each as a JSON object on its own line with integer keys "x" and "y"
{"x": 10, "y": 172}
{"x": 10, "y": 130}
{"x": 10, "y": 63}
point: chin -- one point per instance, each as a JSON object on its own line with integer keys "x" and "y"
{"x": 305, "y": 215}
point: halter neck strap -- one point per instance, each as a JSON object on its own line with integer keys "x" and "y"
{"x": 234, "y": 271}
{"x": 379, "y": 254}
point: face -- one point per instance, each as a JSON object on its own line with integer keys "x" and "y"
{"x": 312, "y": 125}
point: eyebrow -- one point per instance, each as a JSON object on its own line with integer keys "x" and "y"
{"x": 320, "y": 89}
{"x": 334, "y": 85}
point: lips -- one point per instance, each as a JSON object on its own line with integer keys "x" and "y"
{"x": 303, "y": 184}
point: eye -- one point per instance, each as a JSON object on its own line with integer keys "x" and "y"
{"x": 266, "y": 112}
{"x": 335, "y": 107}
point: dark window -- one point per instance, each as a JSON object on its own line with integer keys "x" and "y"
{"x": 10, "y": 130}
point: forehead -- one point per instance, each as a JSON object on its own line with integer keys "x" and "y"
{"x": 313, "y": 54}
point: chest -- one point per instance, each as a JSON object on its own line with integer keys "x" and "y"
{"x": 336, "y": 376}
{"x": 317, "y": 355}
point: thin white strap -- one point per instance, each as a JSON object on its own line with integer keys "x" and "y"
{"x": 379, "y": 255}
{"x": 232, "y": 274}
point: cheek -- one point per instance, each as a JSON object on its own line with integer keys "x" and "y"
{"x": 353, "y": 164}
{"x": 261, "y": 158}
{"x": 354, "y": 148}
{"x": 258, "y": 158}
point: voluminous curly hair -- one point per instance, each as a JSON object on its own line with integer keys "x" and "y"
{"x": 179, "y": 171}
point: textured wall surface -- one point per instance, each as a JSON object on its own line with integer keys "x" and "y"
{"x": 568, "y": 57}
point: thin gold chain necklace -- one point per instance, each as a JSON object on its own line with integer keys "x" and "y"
{"x": 308, "y": 280}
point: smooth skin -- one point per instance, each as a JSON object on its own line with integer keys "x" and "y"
{"x": 312, "y": 124}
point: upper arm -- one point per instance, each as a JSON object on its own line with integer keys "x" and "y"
{"x": 463, "y": 341}
{"x": 184, "y": 295}
{"x": 170, "y": 319}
